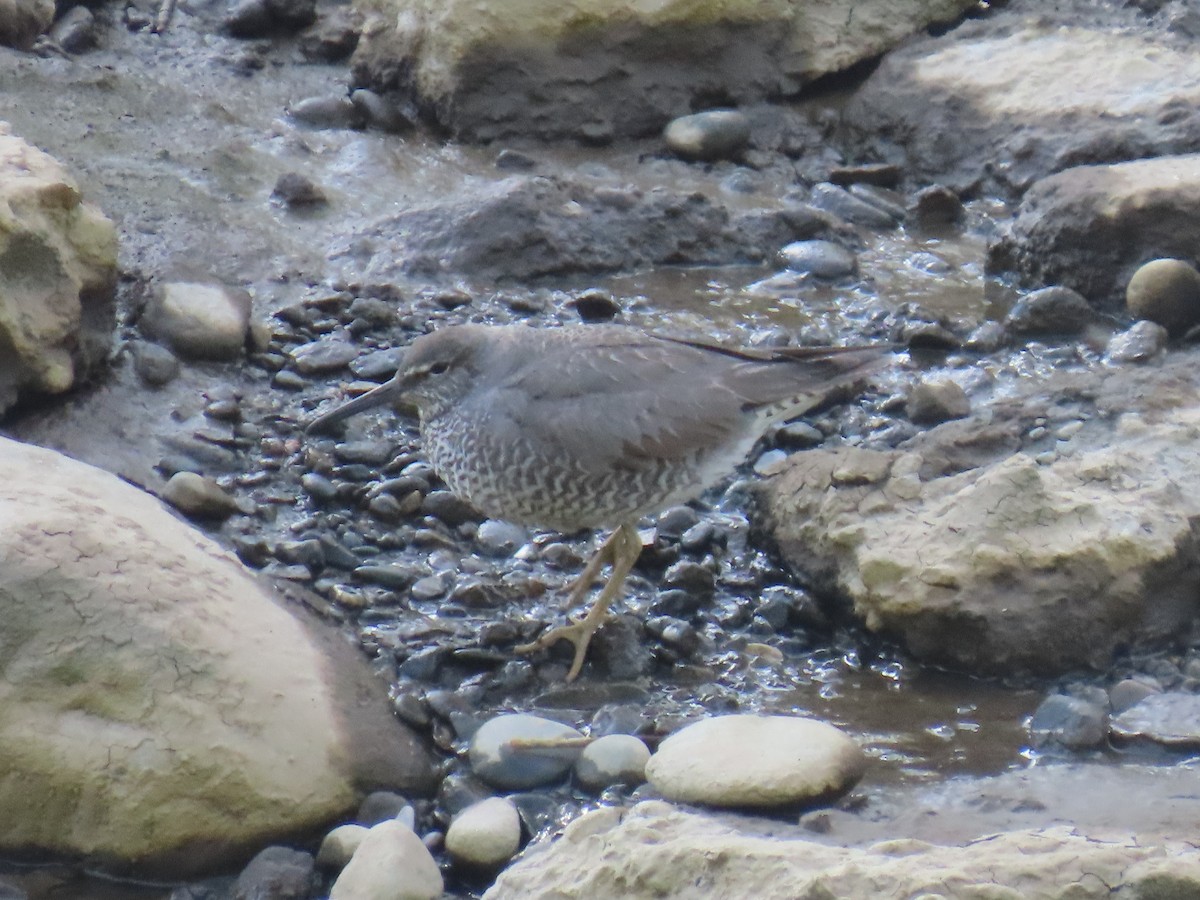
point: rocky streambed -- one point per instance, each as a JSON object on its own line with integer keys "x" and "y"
{"x": 981, "y": 568}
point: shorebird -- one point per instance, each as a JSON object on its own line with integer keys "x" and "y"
{"x": 595, "y": 426}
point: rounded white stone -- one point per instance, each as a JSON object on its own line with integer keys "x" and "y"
{"x": 612, "y": 759}
{"x": 755, "y": 761}
{"x": 486, "y": 834}
{"x": 391, "y": 863}
{"x": 339, "y": 845}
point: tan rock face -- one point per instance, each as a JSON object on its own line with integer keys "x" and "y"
{"x": 657, "y": 851}
{"x": 993, "y": 558}
{"x": 58, "y": 269}
{"x": 1091, "y": 227}
{"x": 998, "y": 111}
{"x": 158, "y": 711}
{"x": 597, "y": 69}
{"x": 22, "y": 21}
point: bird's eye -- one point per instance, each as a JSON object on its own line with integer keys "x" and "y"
{"x": 438, "y": 368}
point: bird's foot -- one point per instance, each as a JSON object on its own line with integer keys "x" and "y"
{"x": 578, "y": 633}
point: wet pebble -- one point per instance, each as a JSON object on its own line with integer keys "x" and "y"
{"x": 934, "y": 402}
{"x": 200, "y": 321}
{"x": 618, "y": 718}
{"x": 692, "y": 577}
{"x": 1141, "y": 342}
{"x": 1170, "y": 719}
{"x": 339, "y": 845}
{"x": 387, "y": 508}
{"x": 387, "y": 849}
{"x": 75, "y": 31}
{"x": 485, "y": 835}
{"x": 935, "y": 207}
{"x": 1127, "y": 692}
{"x": 446, "y": 507}
{"x": 380, "y": 806}
{"x": 499, "y": 539}
{"x": 262, "y": 18}
{"x": 294, "y": 189}
{"x": 840, "y": 202}
{"x": 595, "y": 306}
{"x": 382, "y": 113}
{"x": 824, "y": 259}
{"x": 798, "y": 436}
{"x": 515, "y": 161}
{"x": 987, "y": 338}
{"x": 378, "y": 364}
{"x": 709, "y": 135}
{"x": 318, "y": 487}
{"x": 429, "y": 588}
{"x": 503, "y": 766}
{"x": 1052, "y": 310}
{"x": 1165, "y": 291}
{"x": 155, "y": 365}
{"x": 755, "y": 761}
{"x": 325, "y": 112}
{"x": 673, "y": 522}
{"x": 322, "y": 357}
{"x": 197, "y": 496}
{"x": 1075, "y": 723}
{"x": 277, "y": 872}
{"x": 393, "y": 577}
{"x": 611, "y": 760}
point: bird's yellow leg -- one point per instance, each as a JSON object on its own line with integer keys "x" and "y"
{"x": 622, "y": 548}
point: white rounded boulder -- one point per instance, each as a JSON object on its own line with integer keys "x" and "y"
{"x": 755, "y": 761}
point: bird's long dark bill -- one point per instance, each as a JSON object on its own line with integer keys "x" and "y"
{"x": 385, "y": 393}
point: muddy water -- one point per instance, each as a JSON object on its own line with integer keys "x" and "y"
{"x": 171, "y": 137}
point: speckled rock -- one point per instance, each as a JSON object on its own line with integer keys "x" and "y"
{"x": 755, "y": 761}
{"x": 58, "y": 267}
{"x": 657, "y": 852}
{"x": 185, "y": 702}
{"x": 485, "y": 835}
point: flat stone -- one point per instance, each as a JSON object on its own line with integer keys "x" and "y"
{"x": 502, "y": 766}
{"x": 1170, "y": 719}
{"x": 755, "y": 761}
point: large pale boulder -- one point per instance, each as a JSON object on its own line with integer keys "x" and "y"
{"x": 1091, "y": 227}
{"x": 160, "y": 713}
{"x": 1042, "y": 534}
{"x": 22, "y": 21}
{"x": 601, "y": 68}
{"x": 657, "y": 851}
{"x": 996, "y": 105}
{"x": 58, "y": 272}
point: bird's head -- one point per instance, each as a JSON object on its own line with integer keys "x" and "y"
{"x": 437, "y": 371}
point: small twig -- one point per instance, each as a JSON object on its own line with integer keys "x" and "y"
{"x": 165, "y": 10}
{"x": 536, "y": 744}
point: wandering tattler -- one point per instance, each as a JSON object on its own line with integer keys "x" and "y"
{"x": 595, "y": 426}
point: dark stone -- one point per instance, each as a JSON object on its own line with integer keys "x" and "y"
{"x": 294, "y": 189}
{"x": 1052, "y": 310}
{"x": 278, "y": 873}
{"x": 379, "y": 806}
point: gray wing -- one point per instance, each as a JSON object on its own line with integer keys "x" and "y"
{"x": 628, "y": 404}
